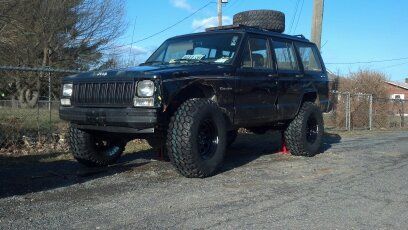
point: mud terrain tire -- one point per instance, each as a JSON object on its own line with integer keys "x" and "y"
{"x": 159, "y": 146}
{"x": 304, "y": 134}
{"x": 94, "y": 150}
{"x": 265, "y": 19}
{"x": 196, "y": 138}
{"x": 231, "y": 137}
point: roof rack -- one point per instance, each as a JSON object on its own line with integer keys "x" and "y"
{"x": 232, "y": 27}
{"x": 299, "y": 36}
{"x": 229, "y": 27}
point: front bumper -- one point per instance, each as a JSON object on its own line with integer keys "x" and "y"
{"x": 118, "y": 120}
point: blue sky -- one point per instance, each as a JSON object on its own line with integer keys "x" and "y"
{"x": 353, "y": 30}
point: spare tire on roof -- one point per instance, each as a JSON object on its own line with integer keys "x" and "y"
{"x": 264, "y": 19}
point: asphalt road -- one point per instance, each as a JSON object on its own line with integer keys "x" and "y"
{"x": 357, "y": 183}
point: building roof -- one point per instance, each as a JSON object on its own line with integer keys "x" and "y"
{"x": 398, "y": 84}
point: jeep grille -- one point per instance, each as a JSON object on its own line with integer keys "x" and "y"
{"x": 103, "y": 94}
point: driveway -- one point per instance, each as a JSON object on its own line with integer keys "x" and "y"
{"x": 360, "y": 181}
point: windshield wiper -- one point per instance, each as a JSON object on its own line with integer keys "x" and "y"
{"x": 153, "y": 62}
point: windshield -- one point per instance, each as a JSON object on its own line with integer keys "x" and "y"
{"x": 207, "y": 49}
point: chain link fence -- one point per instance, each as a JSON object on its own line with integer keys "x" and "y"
{"x": 29, "y": 103}
{"x": 365, "y": 112}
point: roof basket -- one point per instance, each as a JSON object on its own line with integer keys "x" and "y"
{"x": 231, "y": 27}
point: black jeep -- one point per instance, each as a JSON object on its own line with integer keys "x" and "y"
{"x": 191, "y": 96}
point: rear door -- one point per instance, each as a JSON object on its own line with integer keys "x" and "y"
{"x": 289, "y": 76}
{"x": 256, "y": 91}
{"x": 314, "y": 71}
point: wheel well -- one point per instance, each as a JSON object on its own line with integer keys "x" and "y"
{"x": 190, "y": 92}
{"x": 194, "y": 91}
{"x": 310, "y": 97}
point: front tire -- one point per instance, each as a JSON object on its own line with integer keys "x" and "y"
{"x": 159, "y": 146}
{"x": 231, "y": 137}
{"x": 94, "y": 150}
{"x": 196, "y": 139}
{"x": 305, "y": 133}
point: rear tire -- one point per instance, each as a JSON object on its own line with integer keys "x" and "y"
{"x": 304, "y": 134}
{"x": 94, "y": 150}
{"x": 196, "y": 139}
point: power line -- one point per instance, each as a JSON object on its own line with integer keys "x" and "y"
{"x": 392, "y": 66}
{"x": 232, "y": 5}
{"x": 294, "y": 15}
{"x": 167, "y": 28}
{"x": 133, "y": 35}
{"x": 300, "y": 14}
{"x": 366, "y": 62}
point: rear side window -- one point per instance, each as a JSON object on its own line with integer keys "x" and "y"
{"x": 257, "y": 54}
{"x": 310, "y": 58}
{"x": 285, "y": 56}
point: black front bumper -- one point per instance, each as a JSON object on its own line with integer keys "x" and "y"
{"x": 118, "y": 120}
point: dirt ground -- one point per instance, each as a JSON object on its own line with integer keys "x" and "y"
{"x": 359, "y": 181}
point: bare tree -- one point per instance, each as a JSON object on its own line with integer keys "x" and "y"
{"x": 358, "y": 84}
{"x": 56, "y": 33}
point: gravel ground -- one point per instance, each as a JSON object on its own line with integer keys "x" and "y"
{"x": 359, "y": 182}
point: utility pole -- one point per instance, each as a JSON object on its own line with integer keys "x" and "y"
{"x": 219, "y": 9}
{"x": 317, "y": 22}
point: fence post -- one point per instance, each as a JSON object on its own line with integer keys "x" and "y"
{"x": 49, "y": 91}
{"x": 403, "y": 113}
{"x": 370, "y": 113}
{"x": 49, "y": 106}
{"x": 38, "y": 115}
{"x": 347, "y": 102}
{"x": 348, "y": 112}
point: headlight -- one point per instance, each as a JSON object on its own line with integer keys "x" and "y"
{"x": 67, "y": 90}
{"x": 145, "y": 88}
{"x": 65, "y": 102}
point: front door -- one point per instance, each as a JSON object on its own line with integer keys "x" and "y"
{"x": 256, "y": 93}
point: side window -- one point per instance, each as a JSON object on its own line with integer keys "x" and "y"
{"x": 309, "y": 57}
{"x": 285, "y": 56}
{"x": 256, "y": 54}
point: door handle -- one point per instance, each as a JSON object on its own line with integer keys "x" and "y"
{"x": 299, "y": 75}
{"x": 272, "y": 75}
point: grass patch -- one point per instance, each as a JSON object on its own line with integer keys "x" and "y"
{"x": 31, "y": 119}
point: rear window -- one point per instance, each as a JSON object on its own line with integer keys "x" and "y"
{"x": 310, "y": 58}
{"x": 285, "y": 56}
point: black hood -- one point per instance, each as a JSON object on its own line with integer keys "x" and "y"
{"x": 145, "y": 72}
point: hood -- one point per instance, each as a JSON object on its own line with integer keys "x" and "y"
{"x": 146, "y": 72}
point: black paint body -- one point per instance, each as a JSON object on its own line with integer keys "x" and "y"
{"x": 249, "y": 97}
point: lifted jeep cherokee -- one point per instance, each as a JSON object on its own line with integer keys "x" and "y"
{"x": 191, "y": 96}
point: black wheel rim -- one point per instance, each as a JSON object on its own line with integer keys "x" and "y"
{"x": 207, "y": 139}
{"x": 312, "y": 130}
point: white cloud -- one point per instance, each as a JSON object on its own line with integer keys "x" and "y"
{"x": 136, "y": 50}
{"x": 133, "y": 50}
{"x": 202, "y": 24}
{"x": 182, "y": 4}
